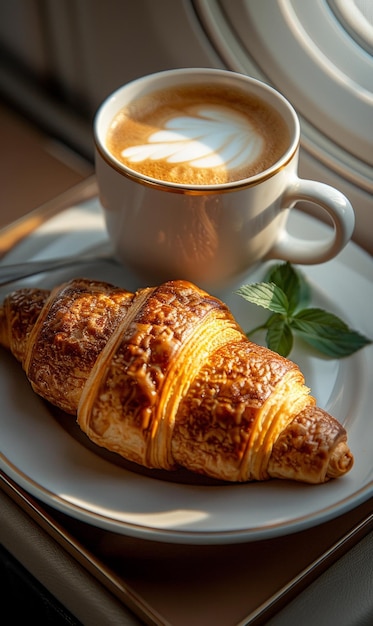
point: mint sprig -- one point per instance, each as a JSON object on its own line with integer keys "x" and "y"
{"x": 286, "y": 293}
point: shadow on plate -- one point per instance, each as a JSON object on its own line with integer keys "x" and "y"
{"x": 179, "y": 475}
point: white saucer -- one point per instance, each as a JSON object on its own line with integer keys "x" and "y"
{"x": 47, "y": 456}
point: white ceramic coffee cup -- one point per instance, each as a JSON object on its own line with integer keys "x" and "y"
{"x": 211, "y": 234}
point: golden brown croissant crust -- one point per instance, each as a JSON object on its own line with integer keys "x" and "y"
{"x": 166, "y": 378}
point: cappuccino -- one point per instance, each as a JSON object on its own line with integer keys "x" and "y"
{"x": 198, "y": 135}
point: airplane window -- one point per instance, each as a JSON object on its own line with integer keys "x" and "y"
{"x": 319, "y": 54}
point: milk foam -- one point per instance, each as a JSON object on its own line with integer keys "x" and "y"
{"x": 206, "y": 137}
{"x": 198, "y": 135}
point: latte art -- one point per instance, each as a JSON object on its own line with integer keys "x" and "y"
{"x": 198, "y": 135}
{"x": 211, "y": 137}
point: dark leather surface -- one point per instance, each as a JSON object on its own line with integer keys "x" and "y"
{"x": 343, "y": 595}
{"x": 23, "y": 597}
{"x": 58, "y": 574}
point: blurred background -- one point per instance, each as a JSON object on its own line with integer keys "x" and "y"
{"x": 60, "y": 58}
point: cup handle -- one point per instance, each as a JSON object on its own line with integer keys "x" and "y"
{"x": 338, "y": 207}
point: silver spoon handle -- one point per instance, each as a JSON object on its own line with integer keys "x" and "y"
{"x": 11, "y": 273}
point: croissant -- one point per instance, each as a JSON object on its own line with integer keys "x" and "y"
{"x": 166, "y": 378}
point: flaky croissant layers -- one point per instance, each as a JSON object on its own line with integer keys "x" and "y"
{"x": 165, "y": 377}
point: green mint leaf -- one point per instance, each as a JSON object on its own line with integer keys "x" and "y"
{"x": 337, "y": 345}
{"x": 327, "y": 333}
{"x": 317, "y": 319}
{"x": 292, "y": 283}
{"x": 279, "y": 337}
{"x": 287, "y": 294}
{"x": 266, "y": 295}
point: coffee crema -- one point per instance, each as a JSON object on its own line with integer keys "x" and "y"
{"x": 198, "y": 135}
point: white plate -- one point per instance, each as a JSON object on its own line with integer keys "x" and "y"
{"x": 48, "y": 457}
